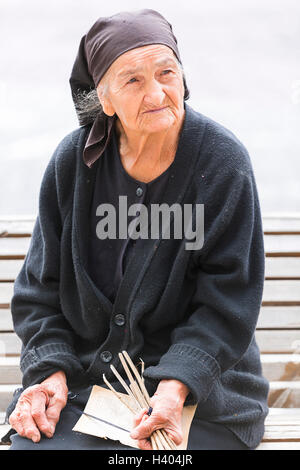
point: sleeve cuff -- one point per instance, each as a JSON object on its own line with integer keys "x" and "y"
{"x": 192, "y": 366}
{"x": 38, "y": 363}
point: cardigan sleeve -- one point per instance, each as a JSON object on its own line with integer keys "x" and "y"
{"x": 47, "y": 340}
{"x": 229, "y": 276}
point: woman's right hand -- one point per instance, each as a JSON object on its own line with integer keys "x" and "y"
{"x": 39, "y": 406}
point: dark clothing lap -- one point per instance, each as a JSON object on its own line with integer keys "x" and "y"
{"x": 203, "y": 435}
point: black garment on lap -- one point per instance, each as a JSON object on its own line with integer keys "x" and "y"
{"x": 203, "y": 435}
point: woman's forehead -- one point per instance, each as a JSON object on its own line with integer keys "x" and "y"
{"x": 157, "y": 54}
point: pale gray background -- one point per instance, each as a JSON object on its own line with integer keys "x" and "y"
{"x": 242, "y": 63}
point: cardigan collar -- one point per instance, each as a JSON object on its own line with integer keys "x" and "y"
{"x": 183, "y": 168}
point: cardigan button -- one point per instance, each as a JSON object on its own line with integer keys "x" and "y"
{"x": 119, "y": 319}
{"x": 106, "y": 356}
{"x": 139, "y": 191}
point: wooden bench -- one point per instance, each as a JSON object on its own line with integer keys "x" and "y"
{"x": 278, "y": 328}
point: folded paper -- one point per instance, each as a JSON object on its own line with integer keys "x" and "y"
{"x": 105, "y": 405}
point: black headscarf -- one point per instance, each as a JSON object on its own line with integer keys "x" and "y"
{"x": 107, "y": 39}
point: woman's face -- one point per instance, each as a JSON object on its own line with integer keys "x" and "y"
{"x": 145, "y": 89}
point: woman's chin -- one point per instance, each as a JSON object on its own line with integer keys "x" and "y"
{"x": 158, "y": 124}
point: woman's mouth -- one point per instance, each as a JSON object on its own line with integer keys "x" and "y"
{"x": 156, "y": 110}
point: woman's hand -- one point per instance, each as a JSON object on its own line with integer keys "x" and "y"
{"x": 167, "y": 404}
{"x": 39, "y": 406}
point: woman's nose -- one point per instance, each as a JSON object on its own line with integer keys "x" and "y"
{"x": 154, "y": 93}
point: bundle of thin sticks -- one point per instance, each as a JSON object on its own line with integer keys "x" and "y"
{"x": 160, "y": 440}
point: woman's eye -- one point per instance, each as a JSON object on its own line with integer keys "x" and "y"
{"x": 134, "y": 80}
{"x": 130, "y": 81}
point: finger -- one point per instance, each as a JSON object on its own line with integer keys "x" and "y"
{"x": 145, "y": 428}
{"x": 38, "y": 413}
{"x": 29, "y": 428}
{"x": 136, "y": 429}
{"x": 144, "y": 444}
{"x": 53, "y": 412}
{"x": 15, "y": 422}
{"x": 137, "y": 418}
{"x": 175, "y": 435}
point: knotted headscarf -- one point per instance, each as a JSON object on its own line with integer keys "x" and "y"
{"x": 107, "y": 39}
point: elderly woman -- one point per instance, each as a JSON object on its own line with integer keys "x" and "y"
{"x": 88, "y": 290}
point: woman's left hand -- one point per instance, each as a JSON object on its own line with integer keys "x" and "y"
{"x": 167, "y": 404}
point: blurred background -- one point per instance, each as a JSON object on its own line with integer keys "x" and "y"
{"x": 242, "y": 65}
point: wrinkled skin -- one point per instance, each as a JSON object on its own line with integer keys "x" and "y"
{"x": 39, "y": 406}
{"x": 147, "y": 140}
{"x": 167, "y": 404}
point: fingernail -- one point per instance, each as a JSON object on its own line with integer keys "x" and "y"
{"x": 134, "y": 435}
{"x": 35, "y": 438}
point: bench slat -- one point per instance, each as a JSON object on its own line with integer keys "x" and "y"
{"x": 278, "y": 341}
{"x": 6, "y": 293}
{"x": 283, "y": 267}
{"x": 285, "y": 394}
{"x": 276, "y": 367}
{"x": 274, "y": 245}
{"x": 276, "y": 390}
{"x": 15, "y": 225}
{"x": 14, "y": 246}
{"x": 281, "y": 222}
{"x": 279, "y": 317}
{"x": 10, "y": 344}
{"x": 279, "y": 446}
{"x": 274, "y": 291}
{"x": 10, "y": 268}
{"x": 272, "y": 222}
{"x": 6, "y": 323}
{"x": 10, "y": 370}
{"x": 269, "y": 317}
{"x": 282, "y": 244}
{"x": 281, "y": 291}
{"x": 282, "y": 433}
